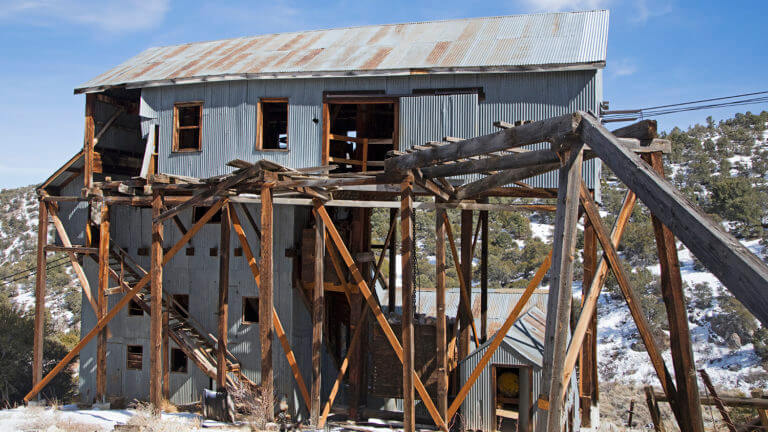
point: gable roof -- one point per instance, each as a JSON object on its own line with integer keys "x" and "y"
{"x": 525, "y": 337}
{"x": 551, "y": 41}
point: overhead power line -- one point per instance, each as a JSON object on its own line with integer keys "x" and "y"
{"x": 743, "y": 99}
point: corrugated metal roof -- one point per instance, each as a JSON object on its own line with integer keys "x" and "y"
{"x": 526, "y": 336}
{"x": 551, "y": 41}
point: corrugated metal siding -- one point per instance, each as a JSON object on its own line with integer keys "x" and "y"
{"x": 477, "y": 408}
{"x": 229, "y": 114}
{"x": 547, "y": 41}
{"x": 197, "y": 276}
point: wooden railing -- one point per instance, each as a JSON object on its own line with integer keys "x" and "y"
{"x": 363, "y": 163}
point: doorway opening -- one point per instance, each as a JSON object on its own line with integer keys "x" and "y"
{"x": 511, "y": 387}
{"x": 358, "y": 132}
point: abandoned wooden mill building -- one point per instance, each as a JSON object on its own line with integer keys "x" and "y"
{"x": 221, "y": 207}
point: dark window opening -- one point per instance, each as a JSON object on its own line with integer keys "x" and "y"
{"x": 134, "y": 309}
{"x": 133, "y": 357}
{"x": 272, "y": 124}
{"x": 187, "y": 125}
{"x": 199, "y": 212}
{"x": 178, "y": 361}
{"x": 250, "y": 310}
{"x": 181, "y": 304}
{"x": 360, "y": 134}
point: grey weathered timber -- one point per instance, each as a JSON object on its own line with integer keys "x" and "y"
{"x": 531, "y": 133}
{"x": 500, "y": 179}
{"x": 408, "y": 299}
{"x": 559, "y": 300}
{"x": 643, "y": 130}
{"x": 744, "y": 274}
{"x": 677, "y": 316}
{"x": 318, "y": 315}
{"x": 223, "y": 315}
{"x": 441, "y": 324}
{"x": 40, "y": 282}
{"x": 517, "y": 160}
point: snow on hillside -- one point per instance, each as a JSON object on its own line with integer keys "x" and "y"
{"x": 18, "y": 243}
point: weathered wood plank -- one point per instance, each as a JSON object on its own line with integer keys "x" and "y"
{"x": 121, "y": 304}
{"x": 101, "y": 343}
{"x": 744, "y": 274}
{"x": 677, "y": 314}
{"x": 518, "y": 160}
{"x": 632, "y": 299}
{"x": 408, "y": 300}
{"x": 478, "y": 187}
{"x": 441, "y": 331}
{"x": 531, "y": 133}
{"x": 156, "y": 306}
{"x": 561, "y": 278}
{"x": 653, "y": 409}
{"x": 266, "y": 299}
{"x": 318, "y": 315}
{"x": 223, "y": 300}
{"x": 376, "y": 310}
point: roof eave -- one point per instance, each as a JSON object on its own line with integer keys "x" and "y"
{"x": 557, "y": 67}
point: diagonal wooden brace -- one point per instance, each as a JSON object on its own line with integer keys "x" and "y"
{"x": 363, "y": 287}
{"x": 275, "y": 318}
{"x": 121, "y": 304}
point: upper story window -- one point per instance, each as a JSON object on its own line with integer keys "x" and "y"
{"x": 272, "y": 124}
{"x": 188, "y": 127}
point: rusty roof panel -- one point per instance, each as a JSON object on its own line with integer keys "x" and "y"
{"x": 551, "y": 41}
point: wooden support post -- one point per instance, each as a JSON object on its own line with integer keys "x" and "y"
{"x": 391, "y": 295}
{"x": 90, "y": 130}
{"x": 465, "y": 301}
{"x": 101, "y": 343}
{"x": 441, "y": 331}
{"x": 318, "y": 315}
{"x": 357, "y": 384}
{"x": 140, "y": 285}
{"x": 633, "y": 302}
{"x": 223, "y": 315}
{"x": 484, "y": 275}
{"x": 408, "y": 299}
{"x": 376, "y": 310}
{"x": 166, "y": 355}
{"x": 588, "y": 354}
{"x": 156, "y": 305}
{"x": 674, "y": 301}
{"x": 40, "y": 281}
{"x": 559, "y": 302}
{"x": 265, "y": 299}
{"x": 653, "y": 408}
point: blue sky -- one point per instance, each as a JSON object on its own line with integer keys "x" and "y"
{"x": 659, "y": 52}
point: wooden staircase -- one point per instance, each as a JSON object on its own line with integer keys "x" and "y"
{"x": 198, "y": 344}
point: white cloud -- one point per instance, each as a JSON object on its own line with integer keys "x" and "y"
{"x": 113, "y": 16}
{"x": 646, "y": 11}
{"x": 622, "y": 67}
{"x": 560, "y": 5}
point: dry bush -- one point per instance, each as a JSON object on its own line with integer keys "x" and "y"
{"x": 250, "y": 404}
{"x": 148, "y": 419}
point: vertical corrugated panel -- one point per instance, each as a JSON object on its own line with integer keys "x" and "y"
{"x": 477, "y": 408}
{"x": 229, "y": 118}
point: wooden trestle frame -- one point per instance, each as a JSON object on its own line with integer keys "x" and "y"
{"x": 502, "y": 159}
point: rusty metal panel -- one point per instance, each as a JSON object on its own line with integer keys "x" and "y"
{"x": 552, "y": 41}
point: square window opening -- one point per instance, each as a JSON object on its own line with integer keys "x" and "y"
{"x": 178, "y": 361}
{"x": 273, "y": 124}
{"x": 134, "y": 309}
{"x": 133, "y": 357}
{"x": 250, "y": 310}
{"x": 181, "y": 304}
{"x": 200, "y": 211}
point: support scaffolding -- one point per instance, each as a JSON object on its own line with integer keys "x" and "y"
{"x": 501, "y": 159}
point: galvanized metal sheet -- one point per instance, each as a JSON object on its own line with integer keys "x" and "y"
{"x": 544, "y": 41}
